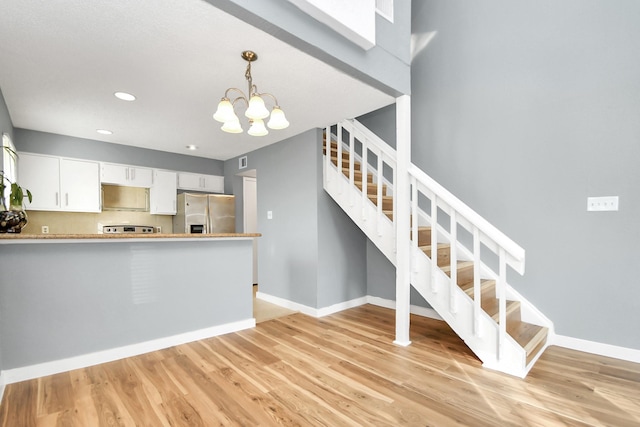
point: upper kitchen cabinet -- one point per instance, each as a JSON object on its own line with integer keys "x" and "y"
{"x": 126, "y": 175}
{"x": 59, "y": 184}
{"x": 163, "y": 193}
{"x": 200, "y": 182}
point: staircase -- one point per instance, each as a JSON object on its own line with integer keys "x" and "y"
{"x": 458, "y": 260}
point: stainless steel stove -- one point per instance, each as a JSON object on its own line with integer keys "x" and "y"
{"x": 124, "y": 229}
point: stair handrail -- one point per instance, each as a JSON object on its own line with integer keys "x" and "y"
{"x": 515, "y": 251}
{"x": 378, "y": 142}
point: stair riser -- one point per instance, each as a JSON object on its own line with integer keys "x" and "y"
{"x": 334, "y": 155}
{"x": 372, "y": 188}
{"x": 465, "y": 275}
{"x": 535, "y": 350}
{"x": 387, "y": 204}
{"x": 444, "y": 255}
{"x": 345, "y": 162}
{"x": 357, "y": 175}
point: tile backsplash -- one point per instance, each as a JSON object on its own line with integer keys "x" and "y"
{"x": 91, "y": 223}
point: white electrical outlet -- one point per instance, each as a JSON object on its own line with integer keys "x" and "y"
{"x": 45, "y": 229}
{"x": 599, "y": 204}
{"x": 158, "y": 229}
{"x": 269, "y": 214}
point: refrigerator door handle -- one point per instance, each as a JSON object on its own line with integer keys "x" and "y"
{"x": 207, "y": 226}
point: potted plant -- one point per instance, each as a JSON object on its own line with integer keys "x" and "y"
{"x": 13, "y": 219}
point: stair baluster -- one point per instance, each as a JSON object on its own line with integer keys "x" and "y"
{"x": 453, "y": 259}
{"x": 477, "y": 290}
{"x": 434, "y": 242}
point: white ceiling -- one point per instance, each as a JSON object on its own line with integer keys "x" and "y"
{"x": 61, "y": 62}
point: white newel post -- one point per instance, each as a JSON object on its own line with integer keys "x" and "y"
{"x": 401, "y": 195}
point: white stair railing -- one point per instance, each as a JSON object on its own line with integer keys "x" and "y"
{"x": 470, "y": 237}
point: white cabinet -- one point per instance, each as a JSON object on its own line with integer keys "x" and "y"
{"x": 163, "y": 193}
{"x": 80, "y": 185}
{"x": 60, "y": 184}
{"x": 126, "y": 175}
{"x": 41, "y": 175}
{"x": 200, "y": 182}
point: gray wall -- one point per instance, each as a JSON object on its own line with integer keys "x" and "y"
{"x": 523, "y": 109}
{"x": 385, "y": 66}
{"x": 5, "y": 126}
{"x": 68, "y": 146}
{"x": 72, "y": 305}
{"x": 308, "y": 232}
{"x": 382, "y": 122}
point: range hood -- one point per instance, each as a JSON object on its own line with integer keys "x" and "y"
{"x": 122, "y": 198}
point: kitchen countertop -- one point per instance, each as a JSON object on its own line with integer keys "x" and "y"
{"x": 33, "y": 238}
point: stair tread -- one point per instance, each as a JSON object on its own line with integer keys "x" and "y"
{"x": 527, "y": 335}
{"x": 440, "y": 246}
{"x": 461, "y": 265}
{"x": 485, "y": 284}
{"x": 492, "y": 307}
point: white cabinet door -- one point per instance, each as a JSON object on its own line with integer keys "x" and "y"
{"x": 41, "y": 175}
{"x": 163, "y": 193}
{"x": 125, "y": 175}
{"x": 113, "y": 174}
{"x": 213, "y": 183}
{"x": 190, "y": 181}
{"x": 201, "y": 182}
{"x": 140, "y": 177}
{"x": 80, "y": 185}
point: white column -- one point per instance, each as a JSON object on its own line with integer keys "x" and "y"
{"x": 401, "y": 195}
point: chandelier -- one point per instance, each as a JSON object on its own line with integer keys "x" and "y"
{"x": 256, "y": 109}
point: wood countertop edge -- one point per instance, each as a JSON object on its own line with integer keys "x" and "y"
{"x": 15, "y": 238}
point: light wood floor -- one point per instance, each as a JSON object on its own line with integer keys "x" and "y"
{"x": 263, "y": 310}
{"x": 341, "y": 370}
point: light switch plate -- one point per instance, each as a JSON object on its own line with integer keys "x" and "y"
{"x": 599, "y": 204}
{"x": 269, "y": 214}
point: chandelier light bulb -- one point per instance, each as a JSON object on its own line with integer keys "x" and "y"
{"x": 232, "y": 126}
{"x": 257, "y": 128}
{"x": 278, "y": 120}
{"x": 225, "y": 112}
{"x": 256, "y": 109}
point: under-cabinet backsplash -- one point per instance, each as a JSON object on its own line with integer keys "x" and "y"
{"x": 91, "y": 223}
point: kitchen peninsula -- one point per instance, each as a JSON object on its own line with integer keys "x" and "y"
{"x": 74, "y": 300}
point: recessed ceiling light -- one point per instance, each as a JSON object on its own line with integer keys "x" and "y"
{"x": 125, "y": 96}
{"x": 104, "y": 131}
{"x": 192, "y": 147}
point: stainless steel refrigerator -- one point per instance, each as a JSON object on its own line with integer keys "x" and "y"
{"x": 205, "y": 213}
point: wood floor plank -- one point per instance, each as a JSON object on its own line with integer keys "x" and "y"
{"x": 338, "y": 370}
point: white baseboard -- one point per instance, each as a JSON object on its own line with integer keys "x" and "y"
{"x": 1, "y": 386}
{"x": 286, "y": 304}
{"x": 310, "y": 311}
{"x": 593, "y": 347}
{"x": 78, "y": 362}
{"x": 336, "y": 308}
